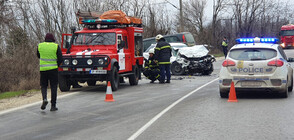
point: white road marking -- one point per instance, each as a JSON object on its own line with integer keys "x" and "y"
{"x": 148, "y": 124}
{"x": 36, "y": 103}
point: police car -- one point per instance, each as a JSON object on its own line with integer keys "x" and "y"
{"x": 256, "y": 64}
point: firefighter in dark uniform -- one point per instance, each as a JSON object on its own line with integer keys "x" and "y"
{"x": 162, "y": 56}
{"x": 50, "y": 58}
{"x": 151, "y": 69}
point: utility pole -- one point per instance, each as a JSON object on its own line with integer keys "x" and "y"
{"x": 213, "y": 19}
{"x": 181, "y": 13}
{"x": 181, "y": 16}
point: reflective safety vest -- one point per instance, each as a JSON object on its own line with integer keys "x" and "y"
{"x": 224, "y": 43}
{"x": 48, "y": 56}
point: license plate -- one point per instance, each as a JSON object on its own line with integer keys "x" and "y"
{"x": 98, "y": 71}
{"x": 251, "y": 84}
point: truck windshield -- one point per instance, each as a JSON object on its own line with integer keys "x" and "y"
{"x": 287, "y": 33}
{"x": 94, "y": 39}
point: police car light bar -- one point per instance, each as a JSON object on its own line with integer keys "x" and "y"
{"x": 245, "y": 40}
{"x": 257, "y": 40}
{"x": 269, "y": 40}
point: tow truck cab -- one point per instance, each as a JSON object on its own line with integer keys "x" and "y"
{"x": 287, "y": 36}
{"x": 105, "y": 50}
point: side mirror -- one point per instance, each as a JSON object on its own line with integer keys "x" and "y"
{"x": 121, "y": 44}
{"x": 290, "y": 59}
{"x": 73, "y": 29}
{"x": 67, "y": 44}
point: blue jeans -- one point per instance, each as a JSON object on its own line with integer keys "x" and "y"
{"x": 164, "y": 71}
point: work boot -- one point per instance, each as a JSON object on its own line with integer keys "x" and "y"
{"x": 161, "y": 82}
{"x": 167, "y": 81}
{"x": 53, "y": 108}
{"x": 44, "y": 104}
{"x": 152, "y": 81}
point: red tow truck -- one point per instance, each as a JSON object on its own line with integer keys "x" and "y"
{"x": 108, "y": 48}
{"x": 287, "y": 36}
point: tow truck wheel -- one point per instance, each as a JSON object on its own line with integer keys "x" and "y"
{"x": 114, "y": 79}
{"x": 134, "y": 78}
{"x": 64, "y": 83}
{"x": 177, "y": 69}
{"x": 91, "y": 83}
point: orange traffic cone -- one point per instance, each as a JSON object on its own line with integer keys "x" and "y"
{"x": 109, "y": 97}
{"x": 232, "y": 94}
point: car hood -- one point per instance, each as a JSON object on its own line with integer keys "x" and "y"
{"x": 194, "y": 51}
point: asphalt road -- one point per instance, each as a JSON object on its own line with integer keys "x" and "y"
{"x": 187, "y": 108}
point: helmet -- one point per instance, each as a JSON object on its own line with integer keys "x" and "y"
{"x": 151, "y": 51}
{"x": 158, "y": 37}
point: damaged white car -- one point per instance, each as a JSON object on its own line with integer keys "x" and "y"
{"x": 193, "y": 60}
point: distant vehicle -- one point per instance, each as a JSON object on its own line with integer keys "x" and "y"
{"x": 184, "y": 37}
{"x": 257, "y": 64}
{"x": 287, "y": 36}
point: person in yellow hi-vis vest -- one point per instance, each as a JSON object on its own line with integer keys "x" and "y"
{"x": 50, "y": 58}
{"x": 225, "y": 46}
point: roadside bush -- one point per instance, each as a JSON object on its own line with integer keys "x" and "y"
{"x": 19, "y": 73}
{"x": 20, "y": 64}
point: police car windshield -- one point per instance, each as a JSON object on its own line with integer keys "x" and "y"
{"x": 251, "y": 54}
{"x": 94, "y": 39}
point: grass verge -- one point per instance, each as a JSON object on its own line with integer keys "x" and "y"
{"x": 11, "y": 94}
{"x": 218, "y": 55}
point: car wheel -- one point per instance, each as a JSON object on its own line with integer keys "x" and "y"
{"x": 224, "y": 94}
{"x": 91, "y": 83}
{"x": 64, "y": 83}
{"x": 134, "y": 78}
{"x": 208, "y": 72}
{"x": 291, "y": 84}
{"x": 114, "y": 79}
{"x": 177, "y": 69}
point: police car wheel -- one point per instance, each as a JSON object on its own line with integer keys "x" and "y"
{"x": 284, "y": 94}
{"x": 114, "y": 79}
{"x": 64, "y": 83}
{"x": 224, "y": 94}
{"x": 291, "y": 84}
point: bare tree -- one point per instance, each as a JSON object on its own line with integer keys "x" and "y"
{"x": 194, "y": 17}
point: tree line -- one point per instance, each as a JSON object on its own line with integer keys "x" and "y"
{"x": 24, "y": 24}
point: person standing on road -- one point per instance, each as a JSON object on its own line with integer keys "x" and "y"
{"x": 162, "y": 56}
{"x": 50, "y": 58}
{"x": 225, "y": 46}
